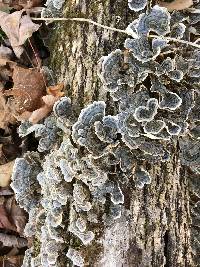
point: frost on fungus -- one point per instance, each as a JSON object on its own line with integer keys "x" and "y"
{"x": 78, "y": 180}
{"x": 137, "y": 5}
{"x": 53, "y": 8}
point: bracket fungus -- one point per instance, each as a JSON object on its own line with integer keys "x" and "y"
{"x": 88, "y": 159}
{"x": 137, "y": 5}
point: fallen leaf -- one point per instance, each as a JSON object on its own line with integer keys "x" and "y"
{"x": 5, "y": 72}
{"x": 28, "y": 89}
{"x": 18, "y": 28}
{"x": 56, "y": 90}
{"x": 11, "y": 261}
{"x": 14, "y": 251}
{"x": 5, "y": 222}
{"x": 41, "y": 113}
{"x": 54, "y": 93}
{"x": 11, "y": 148}
{"x": 31, "y": 100}
{"x": 12, "y": 217}
{"x": 177, "y": 4}
{"x": 6, "y": 64}
{"x": 18, "y": 215}
{"x": 5, "y": 173}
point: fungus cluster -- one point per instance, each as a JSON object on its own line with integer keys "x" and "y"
{"x": 89, "y": 160}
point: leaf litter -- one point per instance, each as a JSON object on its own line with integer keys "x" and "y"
{"x": 24, "y": 95}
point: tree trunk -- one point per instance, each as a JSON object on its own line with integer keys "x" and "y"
{"x": 154, "y": 229}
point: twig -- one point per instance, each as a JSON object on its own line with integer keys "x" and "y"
{"x": 115, "y": 29}
{"x": 175, "y": 40}
{"x": 197, "y": 41}
{"x": 81, "y": 20}
{"x": 28, "y": 57}
{"x": 37, "y": 60}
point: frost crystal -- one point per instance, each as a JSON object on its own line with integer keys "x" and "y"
{"x": 75, "y": 257}
{"x": 146, "y": 113}
{"x": 142, "y": 177}
{"x": 141, "y": 49}
{"x": 107, "y": 129}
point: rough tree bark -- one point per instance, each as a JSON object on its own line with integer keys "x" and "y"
{"x": 155, "y": 227}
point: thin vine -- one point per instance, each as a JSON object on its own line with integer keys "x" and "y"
{"x": 194, "y": 44}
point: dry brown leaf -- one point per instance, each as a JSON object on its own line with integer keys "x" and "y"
{"x": 54, "y": 93}
{"x": 29, "y": 87}
{"x": 12, "y": 217}
{"x": 5, "y": 221}
{"x": 177, "y": 4}
{"x": 39, "y": 114}
{"x": 30, "y": 100}
{"x": 17, "y": 214}
{"x": 18, "y": 28}
{"x": 5, "y": 72}
{"x": 10, "y": 147}
{"x": 13, "y": 261}
{"x": 43, "y": 112}
{"x": 5, "y": 173}
{"x": 56, "y": 90}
